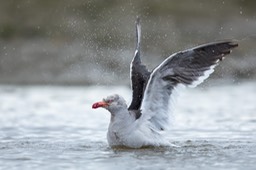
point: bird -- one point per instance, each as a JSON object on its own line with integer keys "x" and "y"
{"x": 145, "y": 122}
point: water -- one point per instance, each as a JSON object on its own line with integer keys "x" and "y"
{"x": 44, "y": 127}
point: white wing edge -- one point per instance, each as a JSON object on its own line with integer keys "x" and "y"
{"x": 204, "y": 77}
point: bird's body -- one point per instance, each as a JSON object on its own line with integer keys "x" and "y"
{"x": 150, "y": 112}
{"x": 126, "y": 129}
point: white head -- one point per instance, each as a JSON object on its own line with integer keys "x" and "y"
{"x": 112, "y": 103}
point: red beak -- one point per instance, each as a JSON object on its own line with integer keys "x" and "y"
{"x": 99, "y": 104}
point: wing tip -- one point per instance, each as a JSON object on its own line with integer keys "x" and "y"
{"x": 232, "y": 44}
{"x": 138, "y": 31}
{"x": 138, "y": 20}
{"x": 136, "y": 57}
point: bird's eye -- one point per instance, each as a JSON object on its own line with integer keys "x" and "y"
{"x": 110, "y": 101}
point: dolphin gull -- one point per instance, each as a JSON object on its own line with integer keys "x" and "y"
{"x": 150, "y": 112}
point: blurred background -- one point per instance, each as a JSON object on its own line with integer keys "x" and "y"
{"x": 88, "y": 42}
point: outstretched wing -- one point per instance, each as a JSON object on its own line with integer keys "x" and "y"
{"x": 138, "y": 73}
{"x": 186, "y": 68}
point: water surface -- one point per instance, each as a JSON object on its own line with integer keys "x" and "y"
{"x": 45, "y": 127}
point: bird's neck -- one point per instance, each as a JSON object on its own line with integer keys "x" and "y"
{"x": 121, "y": 118}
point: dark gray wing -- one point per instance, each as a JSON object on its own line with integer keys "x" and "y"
{"x": 138, "y": 73}
{"x": 186, "y": 68}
